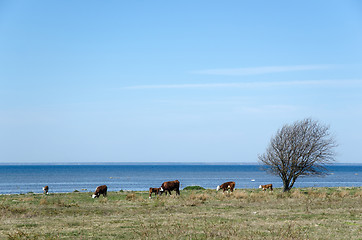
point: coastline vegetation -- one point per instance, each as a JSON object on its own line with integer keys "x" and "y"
{"x": 302, "y": 213}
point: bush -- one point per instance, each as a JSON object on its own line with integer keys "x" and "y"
{"x": 194, "y": 188}
{"x": 133, "y": 197}
{"x": 201, "y": 197}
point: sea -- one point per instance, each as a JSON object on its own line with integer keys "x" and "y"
{"x": 63, "y": 178}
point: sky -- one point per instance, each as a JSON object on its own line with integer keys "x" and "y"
{"x": 175, "y": 81}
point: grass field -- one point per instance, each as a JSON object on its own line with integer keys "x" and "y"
{"x": 308, "y": 213}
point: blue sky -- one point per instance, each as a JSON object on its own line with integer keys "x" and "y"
{"x": 187, "y": 81}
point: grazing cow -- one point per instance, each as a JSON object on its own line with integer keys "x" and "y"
{"x": 154, "y": 190}
{"x": 265, "y": 187}
{"x": 45, "y": 189}
{"x": 170, "y": 186}
{"x": 100, "y": 190}
{"x": 226, "y": 186}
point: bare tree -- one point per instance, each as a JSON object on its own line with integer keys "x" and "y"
{"x": 300, "y": 149}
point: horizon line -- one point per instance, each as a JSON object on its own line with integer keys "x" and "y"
{"x": 152, "y": 163}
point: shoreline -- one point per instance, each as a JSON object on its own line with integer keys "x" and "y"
{"x": 206, "y": 189}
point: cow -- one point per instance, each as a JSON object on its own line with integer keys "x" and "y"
{"x": 170, "y": 186}
{"x": 45, "y": 189}
{"x": 100, "y": 190}
{"x": 226, "y": 186}
{"x": 154, "y": 190}
{"x": 265, "y": 187}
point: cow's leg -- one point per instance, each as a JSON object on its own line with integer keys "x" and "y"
{"x": 177, "y": 191}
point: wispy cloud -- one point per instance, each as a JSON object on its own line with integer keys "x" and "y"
{"x": 261, "y": 70}
{"x": 342, "y": 82}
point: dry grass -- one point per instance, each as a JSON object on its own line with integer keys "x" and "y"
{"x": 310, "y": 213}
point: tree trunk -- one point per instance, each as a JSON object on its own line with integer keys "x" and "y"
{"x": 286, "y": 186}
{"x": 286, "y": 189}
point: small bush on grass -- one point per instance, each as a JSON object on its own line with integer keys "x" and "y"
{"x": 133, "y": 197}
{"x": 201, "y": 197}
{"x": 344, "y": 193}
{"x": 194, "y": 188}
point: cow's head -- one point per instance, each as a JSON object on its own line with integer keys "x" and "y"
{"x": 260, "y": 186}
{"x": 94, "y": 196}
{"x": 161, "y": 191}
{"x": 218, "y": 188}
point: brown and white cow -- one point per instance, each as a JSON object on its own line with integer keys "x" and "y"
{"x": 170, "y": 186}
{"x": 45, "y": 189}
{"x": 265, "y": 187}
{"x": 154, "y": 190}
{"x": 100, "y": 190}
{"x": 226, "y": 186}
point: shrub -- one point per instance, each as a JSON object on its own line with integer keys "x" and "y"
{"x": 194, "y": 188}
{"x": 133, "y": 197}
{"x": 344, "y": 193}
{"x": 201, "y": 197}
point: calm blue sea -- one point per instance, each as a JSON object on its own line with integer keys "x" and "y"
{"x": 17, "y": 179}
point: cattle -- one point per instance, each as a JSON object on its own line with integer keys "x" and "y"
{"x": 100, "y": 190}
{"x": 265, "y": 187}
{"x": 45, "y": 189}
{"x": 170, "y": 186}
{"x": 154, "y": 190}
{"x": 226, "y": 186}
